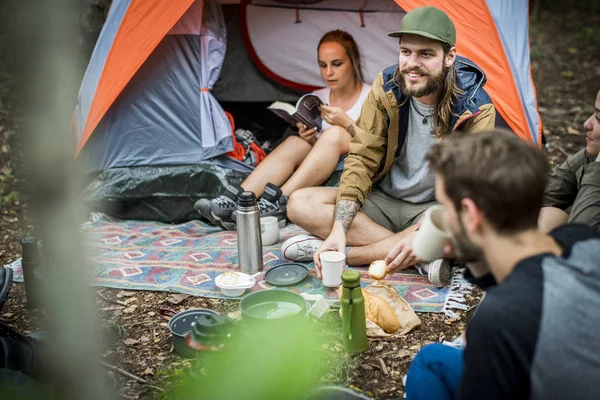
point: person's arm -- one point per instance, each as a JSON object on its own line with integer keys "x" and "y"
{"x": 586, "y": 207}
{"x": 367, "y": 148}
{"x": 561, "y": 189}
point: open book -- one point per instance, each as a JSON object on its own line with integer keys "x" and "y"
{"x": 306, "y": 111}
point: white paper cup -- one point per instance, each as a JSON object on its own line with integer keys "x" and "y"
{"x": 332, "y": 266}
{"x": 269, "y": 230}
{"x": 432, "y": 235}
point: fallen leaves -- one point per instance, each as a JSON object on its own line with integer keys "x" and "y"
{"x": 130, "y": 309}
{"x": 124, "y": 293}
{"x": 130, "y": 341}
{"x": 177, "y": 298}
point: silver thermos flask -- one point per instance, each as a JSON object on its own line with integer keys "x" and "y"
{"x": 249, "y": 240}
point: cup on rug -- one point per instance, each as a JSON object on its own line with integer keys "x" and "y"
{"x": 432, "y": 235}
{"x": 332, "y": 263}
{"x": 269, "y": 230}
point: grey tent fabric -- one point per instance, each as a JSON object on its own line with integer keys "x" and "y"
{"x": 164, "y": 116}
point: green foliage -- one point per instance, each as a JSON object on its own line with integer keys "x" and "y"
{"x": 271, "y": 360}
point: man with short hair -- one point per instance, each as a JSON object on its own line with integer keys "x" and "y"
{"x": 412, "y": 105}
{"x": 575, "y": 184}
{"x": 534, "y": 334}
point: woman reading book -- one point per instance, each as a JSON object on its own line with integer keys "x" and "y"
{"x": 311, "y": 157}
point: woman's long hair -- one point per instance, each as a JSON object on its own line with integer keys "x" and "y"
{"x": 346, "y": 40}
{"x": 442, "y": 114}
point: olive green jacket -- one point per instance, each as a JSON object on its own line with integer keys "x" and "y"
{"x": 576, "y": 183}
{"x": 375, "y": 145}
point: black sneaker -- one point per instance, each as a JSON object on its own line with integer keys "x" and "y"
{"x": 273, "y": 203}
{"x": 218, "y": 210}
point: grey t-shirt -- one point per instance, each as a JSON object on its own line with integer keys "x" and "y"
{"x": 410, "y": 178}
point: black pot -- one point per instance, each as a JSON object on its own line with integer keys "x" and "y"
{"x": 180, "y": 325}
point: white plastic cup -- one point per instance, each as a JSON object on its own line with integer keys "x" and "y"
{"x": 332, "y": 266}
{"x": 432, "y": 236}
{"x": 269, "y": 230}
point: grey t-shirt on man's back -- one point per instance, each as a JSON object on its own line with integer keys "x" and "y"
{"x": 410, "y": 178}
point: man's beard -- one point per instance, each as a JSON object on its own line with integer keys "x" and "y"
{"x": 464, "y": 249}
{"x": 433, "y": 83}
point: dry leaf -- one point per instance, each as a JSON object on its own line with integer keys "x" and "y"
{"x": 151, "y": 313}
{"x": 403, "y": 353}
{"x": 572, "y": 131}
{"x": 130, "y": 300}
{"x": 112, "y": 308}
{"x": 148, "y": 371}
{"x": 130, "y": 342}
{"x": 235, "y": 315}
{"x": 130, "y": 309}
{"x": 7, "y": 315}
{"x": 124, "y": 293}
{"x": 144, "y": 339}
{"x": 177, "y": 298}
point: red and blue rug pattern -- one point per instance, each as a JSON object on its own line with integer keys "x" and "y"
{"x": 187, "y": 258}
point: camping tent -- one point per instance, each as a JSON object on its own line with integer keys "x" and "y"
{"x": 149, "y": 118}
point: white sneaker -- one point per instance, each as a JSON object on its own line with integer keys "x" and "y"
{"x": 438, "y": 271}
{"x": 301, "y": 247}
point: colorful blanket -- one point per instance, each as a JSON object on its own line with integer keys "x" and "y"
{"x": 187, "y": 258}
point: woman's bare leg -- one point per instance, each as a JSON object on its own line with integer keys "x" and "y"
{"x": 320, "y": 162}
{"x": 278, "y": 166}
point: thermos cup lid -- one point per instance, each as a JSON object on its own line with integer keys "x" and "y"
{"x": 351, "y": 278}
{"x": 246, "y": 199}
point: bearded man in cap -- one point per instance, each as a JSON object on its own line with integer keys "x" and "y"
{"x": 386, "y": 185}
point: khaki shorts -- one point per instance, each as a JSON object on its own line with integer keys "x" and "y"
{"x": 393, "y": 214}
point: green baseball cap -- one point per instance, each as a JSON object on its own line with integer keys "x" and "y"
{"x": 429, "y": 22}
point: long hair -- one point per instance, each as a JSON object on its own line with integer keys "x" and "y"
{"x": 346, "y": 40}
{"x": 442, "y": 114}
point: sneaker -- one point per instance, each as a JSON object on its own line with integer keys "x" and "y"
{"x": 438, "y": 271}
{"x": 301, "y": 247}
{"x": 273, "y": 203}
{"x": 218, "y": 210}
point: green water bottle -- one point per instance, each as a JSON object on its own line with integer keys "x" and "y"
{"x": 354, "y": 322}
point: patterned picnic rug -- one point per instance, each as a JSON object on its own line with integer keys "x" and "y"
{"x": 187, "y": 258}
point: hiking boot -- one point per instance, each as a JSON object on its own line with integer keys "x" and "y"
{"x": 301, "y": 247}
{"x": 438, "y": 271}
{"x": 218, "y": 210}
{"x": 273, "y": 203}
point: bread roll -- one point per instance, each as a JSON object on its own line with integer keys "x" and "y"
{"x": 379, "y": 311}
{"x": 377, "y": 269}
